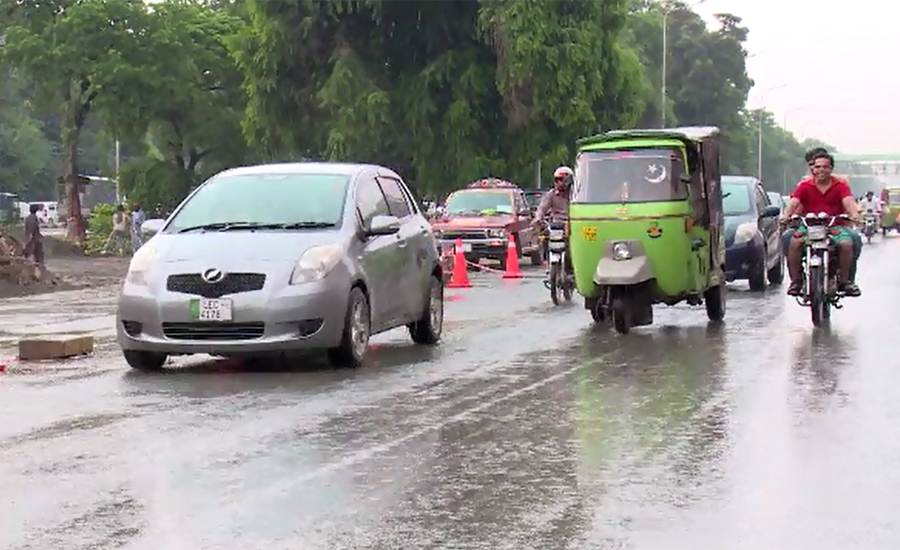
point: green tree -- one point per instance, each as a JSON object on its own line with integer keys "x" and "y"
{"x": 454, "y": 90}
{"x": 192, "y": 114}
{"x": 23, "y": 147}
{"x": 79, "y": 56}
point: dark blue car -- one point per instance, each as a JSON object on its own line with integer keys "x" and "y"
{"x": 752, "y": 236}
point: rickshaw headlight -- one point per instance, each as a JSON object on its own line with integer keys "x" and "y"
{"x": 621, "y": 251}
{"x": 745, "y": 233}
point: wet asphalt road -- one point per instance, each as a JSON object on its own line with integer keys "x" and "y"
{"x": 527, "y": 428}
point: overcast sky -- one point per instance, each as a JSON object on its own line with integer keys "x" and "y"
{"x": 852, "y": 98}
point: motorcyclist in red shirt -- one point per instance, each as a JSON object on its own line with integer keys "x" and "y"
{"x": 823, "y": 193}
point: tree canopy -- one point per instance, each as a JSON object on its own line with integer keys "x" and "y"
{"x": 444, "y": 92}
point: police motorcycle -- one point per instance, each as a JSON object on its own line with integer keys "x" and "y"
{"x": 560, "y": 278}
{"x": 821, "y": 264}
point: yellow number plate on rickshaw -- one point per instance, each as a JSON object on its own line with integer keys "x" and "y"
{"x": 589, "y": 233}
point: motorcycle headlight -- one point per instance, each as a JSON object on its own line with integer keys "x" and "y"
{"x": 745, "y": 233}
{"x": 621, "y": 251}
{"x": 140, "y": 264}
{"x": 496, "y": 233}
{"x": 316, "y": 263}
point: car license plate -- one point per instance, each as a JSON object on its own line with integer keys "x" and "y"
{"x": 555, "y": 257}
{"x": 211, "y": 310}
{"x": 815, "y": 260}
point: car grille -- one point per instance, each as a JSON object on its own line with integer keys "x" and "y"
{"x": 214, "y": 331}
{"x": 231, "y": 283}
{"x": 465, "y": 234}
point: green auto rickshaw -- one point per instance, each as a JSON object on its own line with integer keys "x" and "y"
{"x": 646, "y": 223}
{"x": 890, "y": 215}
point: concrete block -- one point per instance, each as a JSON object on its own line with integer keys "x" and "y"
{"x": 55, "y": 347}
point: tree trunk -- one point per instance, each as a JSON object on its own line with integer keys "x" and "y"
{"x": 74, "y": 220}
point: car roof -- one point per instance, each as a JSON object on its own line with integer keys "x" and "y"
{"x": 740, "y": 180}
{"x": 337, "y": 168}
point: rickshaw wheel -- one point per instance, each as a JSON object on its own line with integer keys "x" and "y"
{"x": 621, "y": 313}
{"x": 598, "y": 312}
{"x": 714, "y": 298}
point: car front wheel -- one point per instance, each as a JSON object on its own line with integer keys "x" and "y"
{"x": 351, "y": 352}
{"x": 145, "y": 361}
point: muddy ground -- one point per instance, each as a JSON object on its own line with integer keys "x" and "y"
{"x": 70, "y": 269}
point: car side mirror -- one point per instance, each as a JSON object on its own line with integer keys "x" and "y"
{"x": 383, "y": 225}
{"x": 771, "y": 211}
{"x": 152, "y": 226}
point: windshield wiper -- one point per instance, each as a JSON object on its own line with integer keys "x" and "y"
{"x": 228, "y": 226}
{"x": 237, "y": 226}
{"x": 305, "y": 225}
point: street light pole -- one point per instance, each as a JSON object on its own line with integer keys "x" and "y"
{"x": 784, "y": 182}
{"x": 666, "y": 9}
{"x": 759, "y": 162}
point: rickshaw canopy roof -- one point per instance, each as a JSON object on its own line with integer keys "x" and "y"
{"x": 692, "y": 134}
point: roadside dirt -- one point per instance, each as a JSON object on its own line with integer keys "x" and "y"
{"x": 69, "y": 269}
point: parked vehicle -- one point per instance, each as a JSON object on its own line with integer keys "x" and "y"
{"x": 753, "y": 250}
{"x": 483, "y": 215}
{"x": 777, "y": 199}
{"x": 533, "y": 198}
{"x": 646, "y": 224}
{"x": 278, "y": 258}
{"x": 820, "y": 266}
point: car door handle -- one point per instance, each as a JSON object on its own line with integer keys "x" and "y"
{"x": 402, "y": 244}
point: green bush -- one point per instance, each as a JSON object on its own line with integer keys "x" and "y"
{"x": 99, "y": 227}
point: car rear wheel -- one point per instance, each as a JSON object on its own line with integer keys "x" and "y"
{"x": 427, "y": 330}
{"x": 145, "y": 361}
{"x": 776, "y": 274}
{"x": 351, "y": 352}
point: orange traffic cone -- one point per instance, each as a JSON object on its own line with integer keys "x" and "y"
{"x": 512, "y": 261}
{"x": 460, "y": 276}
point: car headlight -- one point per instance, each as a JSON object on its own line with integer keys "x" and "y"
{"x": 621, "y": 251}
{"x": 140, "y": 264}
{"x": 316, "y": 263}
{"x": 496, "y": 233}
{"x": 438, "y": 233}
{"x": 745, "y": 233}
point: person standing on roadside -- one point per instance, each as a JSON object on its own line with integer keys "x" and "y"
{"x": 119, "y": 232}
{"x": 137, "y": 220}
{"x": 34, "y": 241}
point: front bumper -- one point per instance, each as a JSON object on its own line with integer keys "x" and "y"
{"x": 739, "y": 260}
{"x": 477, "y": 248}
{"x": 278, "y": 318}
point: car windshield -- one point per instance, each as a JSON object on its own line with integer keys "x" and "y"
{"x": 735, "y": 199}
{"x": 533, "y": 199}
{"x": 274, "y": 199}
{"x": 893, "y": 198}
{"x": 480, "y": 202}
{"x": 642, "y": 175}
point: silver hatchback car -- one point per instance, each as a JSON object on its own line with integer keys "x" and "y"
{"x": 279, "y": 258}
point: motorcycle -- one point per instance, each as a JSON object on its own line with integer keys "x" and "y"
{"x": 870, "y": 227}
{"x": 560, "y": 278}
{"x": 820, "y": 266}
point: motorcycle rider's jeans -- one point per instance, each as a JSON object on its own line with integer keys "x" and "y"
{"x": 854, "y": 235}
